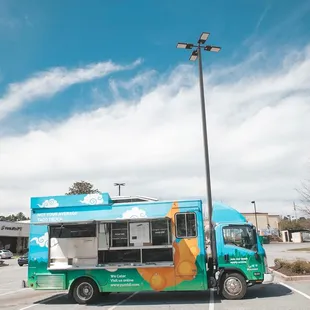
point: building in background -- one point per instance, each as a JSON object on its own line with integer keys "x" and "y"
{"x": 14, "y": 236}
{"x": 268, "y": 224}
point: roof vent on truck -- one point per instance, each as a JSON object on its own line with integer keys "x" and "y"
{"x": 127, "y": 199}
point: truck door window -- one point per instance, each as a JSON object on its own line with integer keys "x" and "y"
{"x": 240, "y": 235}
{"x": 186, "y": 226}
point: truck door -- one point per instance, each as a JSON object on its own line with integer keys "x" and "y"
{"x": 189, "y": 257}
{"x": 238, "y": 250}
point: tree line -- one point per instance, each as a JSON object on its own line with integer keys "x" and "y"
{"x": 20, "y": 216}
{"x": 84, "y": 187}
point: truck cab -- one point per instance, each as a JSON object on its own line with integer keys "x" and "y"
{"x": 241, "y": 258}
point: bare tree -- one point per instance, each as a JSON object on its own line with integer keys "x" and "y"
{"x": 304, "y": 192}
{"x": 82, "y": 187}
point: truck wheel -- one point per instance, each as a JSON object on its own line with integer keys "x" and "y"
{"x": 85, "y": 291}
{"x": 233, "y": 286}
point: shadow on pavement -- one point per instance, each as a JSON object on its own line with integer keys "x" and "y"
{"x": 171, "y": 298}
{"x": 143, "y": 298}
{"x": 267, "y": 291}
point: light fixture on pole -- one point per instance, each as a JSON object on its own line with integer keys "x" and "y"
{"x": 255, "y": 213}
{"x": 119, "y": 187}
{"x": 197, "y": 54}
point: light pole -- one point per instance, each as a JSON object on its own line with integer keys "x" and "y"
{"x": 295, "y": 211}
{"x": 119, "y": 187}
{"x": 197, "y": 54}
{"x": 255, "y": 213}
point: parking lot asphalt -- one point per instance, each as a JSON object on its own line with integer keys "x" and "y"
{"x": 280, "y": 250}
{"x": 282, "y": 295}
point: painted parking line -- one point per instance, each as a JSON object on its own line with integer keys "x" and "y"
{"x": 123, "y": 301}
{"x": 295, "y": 290}
{"x": 211, "y": 300}
{"x": 43, "y": 301}
{"x": 12, "y": 292}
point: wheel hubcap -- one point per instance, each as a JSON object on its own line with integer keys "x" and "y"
{"x": 233, "y": 286}
{"x": 85, "y": 291}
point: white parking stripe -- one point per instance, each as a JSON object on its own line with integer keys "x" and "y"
{"x": 43, "y": 301}
{"x": 121, "y": 302}
{"x": 211, "y": 301}
{"x": 12, "y": 292}
{"x": 295, "y": 290}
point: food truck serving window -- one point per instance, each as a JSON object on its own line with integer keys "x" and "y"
{"x": 73, "y": 231}
{"x": 160, "y": 232}
{"x": 186, "y": 225}
{"x": 119, "y": 234}
{"x": 142, "y": 242}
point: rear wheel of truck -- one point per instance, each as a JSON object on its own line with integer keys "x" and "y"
{"x": 85, "y": 291}
{"x": 233, "y": 286}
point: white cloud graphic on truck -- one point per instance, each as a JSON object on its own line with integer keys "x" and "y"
{"x": 93, "y": 199}
{"x": 49, "y": 203}
{"x": 41, "y": 241}
{"x": 135, "y": 212}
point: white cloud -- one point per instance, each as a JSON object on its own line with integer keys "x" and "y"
{"x": 258, "y": 125}
{"x": 46, "y": 84}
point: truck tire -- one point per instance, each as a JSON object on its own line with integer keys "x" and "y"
{"x": 233, "y": 286}
{"x": 85, "y": 291}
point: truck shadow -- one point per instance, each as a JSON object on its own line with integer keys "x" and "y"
{"x": 170, "y": 298}
{"x": 142, "y": 298}
{"x": 267, "y": 291}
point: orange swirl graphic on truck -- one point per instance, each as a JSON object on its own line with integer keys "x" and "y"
{"x": 185, "y": 254}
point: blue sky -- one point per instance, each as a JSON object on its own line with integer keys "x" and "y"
{"x": 36, "y": 35}
{"x": 52, "y": 40}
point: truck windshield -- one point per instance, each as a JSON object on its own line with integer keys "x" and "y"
{"x": 240, "y": 235}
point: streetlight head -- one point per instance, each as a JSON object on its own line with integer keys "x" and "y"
{"x": 194, "y": 56}
{"x": 210, "y": 48}
{"x": 185, "y": 45}
{"x": 204, "y": 37}
{"x": 253, "y": 201}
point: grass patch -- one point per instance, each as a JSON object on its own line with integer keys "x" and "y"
{"x": 300, "y": 250}
{"x": 295, "y": 268}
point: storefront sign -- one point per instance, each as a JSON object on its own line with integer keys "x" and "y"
{"x": 13, "y": 229}
{"x": 19, "y": 228}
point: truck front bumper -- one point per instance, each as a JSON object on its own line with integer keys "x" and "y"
{"x": 268, "y": 278}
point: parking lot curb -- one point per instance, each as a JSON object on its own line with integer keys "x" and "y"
{"x": 290, "y": 278}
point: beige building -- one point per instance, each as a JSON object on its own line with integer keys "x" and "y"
{"x": 265, "y": 221}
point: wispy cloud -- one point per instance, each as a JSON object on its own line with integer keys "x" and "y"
{"x": 47, "y": 83}
{"x": 289, "y": 21}
{"x": 261, "y": 18}
{"x": 139, "y": 83}
{"x": 258, "y": 125}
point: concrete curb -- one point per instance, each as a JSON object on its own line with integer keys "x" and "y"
{"x": 290, "y": 278}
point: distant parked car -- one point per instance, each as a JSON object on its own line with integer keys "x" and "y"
{"x": 6, "y": 254}
{"x": 23, "y": 260}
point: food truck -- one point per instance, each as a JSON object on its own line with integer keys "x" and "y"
{"x": 91, "y": 245}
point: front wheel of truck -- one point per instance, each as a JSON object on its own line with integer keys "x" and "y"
{"x": 85, "y": 291}
{"x": 233, "y": 286}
